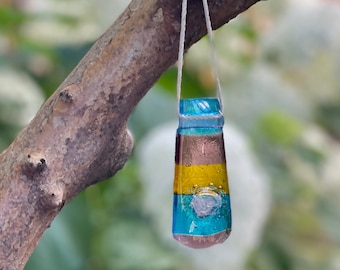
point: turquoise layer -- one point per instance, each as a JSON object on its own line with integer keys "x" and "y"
{"x": 198, "y": 131}
{"x": 186, "y": 222}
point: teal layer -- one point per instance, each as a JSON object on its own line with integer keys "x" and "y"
{"x": 198, "y": 131}
{"x": 186, "y": 222}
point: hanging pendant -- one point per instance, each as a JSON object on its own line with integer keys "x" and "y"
{"x": 201, "y": 206}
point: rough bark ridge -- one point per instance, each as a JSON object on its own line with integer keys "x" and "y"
{"x": 79, "y": 136}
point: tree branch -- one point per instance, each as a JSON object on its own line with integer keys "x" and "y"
{"x": 79, "y": 136}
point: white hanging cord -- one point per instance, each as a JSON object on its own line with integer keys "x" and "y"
{"x": 212, "y": 51}
{"x": 181, "y": 50}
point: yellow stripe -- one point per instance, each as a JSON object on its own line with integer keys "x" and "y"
{"x": 187, "y": 178}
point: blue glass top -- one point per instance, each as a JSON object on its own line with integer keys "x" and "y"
{"x": 200, "y": 113}
{"x": 199, "y": 106}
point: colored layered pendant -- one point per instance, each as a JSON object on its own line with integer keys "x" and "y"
{"x": 201, "y": 206}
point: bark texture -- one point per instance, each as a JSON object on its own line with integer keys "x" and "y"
{"x": 79, "y": 136}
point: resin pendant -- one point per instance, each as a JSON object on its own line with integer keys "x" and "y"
{"x": 201, "y": 206}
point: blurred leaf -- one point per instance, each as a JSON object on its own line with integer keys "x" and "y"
{"x": 308, "y": 154}
{"x": 157, "y": 107}
{"x": 329, "y": 117}
{"x": 328, "y": 212}
{"x": 66, "y": 19}
{"x": 190, "y": 86}
{"x": 246, "y": 29}
{"x": 7, "y": 133}
{"x": 11, "y": 17}
{"x": 279, "y": 127}
{"x": 65, "y": 245}
{"x": 129, "y": 245}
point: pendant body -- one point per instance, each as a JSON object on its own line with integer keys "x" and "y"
{"x": 201, "y": 206}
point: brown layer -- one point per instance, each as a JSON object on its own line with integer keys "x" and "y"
{"x": 197, "y": 150}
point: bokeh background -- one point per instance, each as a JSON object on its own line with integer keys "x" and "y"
{"x": 279, "y": 64}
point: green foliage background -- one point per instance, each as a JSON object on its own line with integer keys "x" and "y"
{"x": 268, "y": 47}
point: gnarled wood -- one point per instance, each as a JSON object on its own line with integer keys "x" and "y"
{"x": 79, "y": 136}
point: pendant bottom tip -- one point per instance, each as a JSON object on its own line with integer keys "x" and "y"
{"x": 198, "y": 242}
